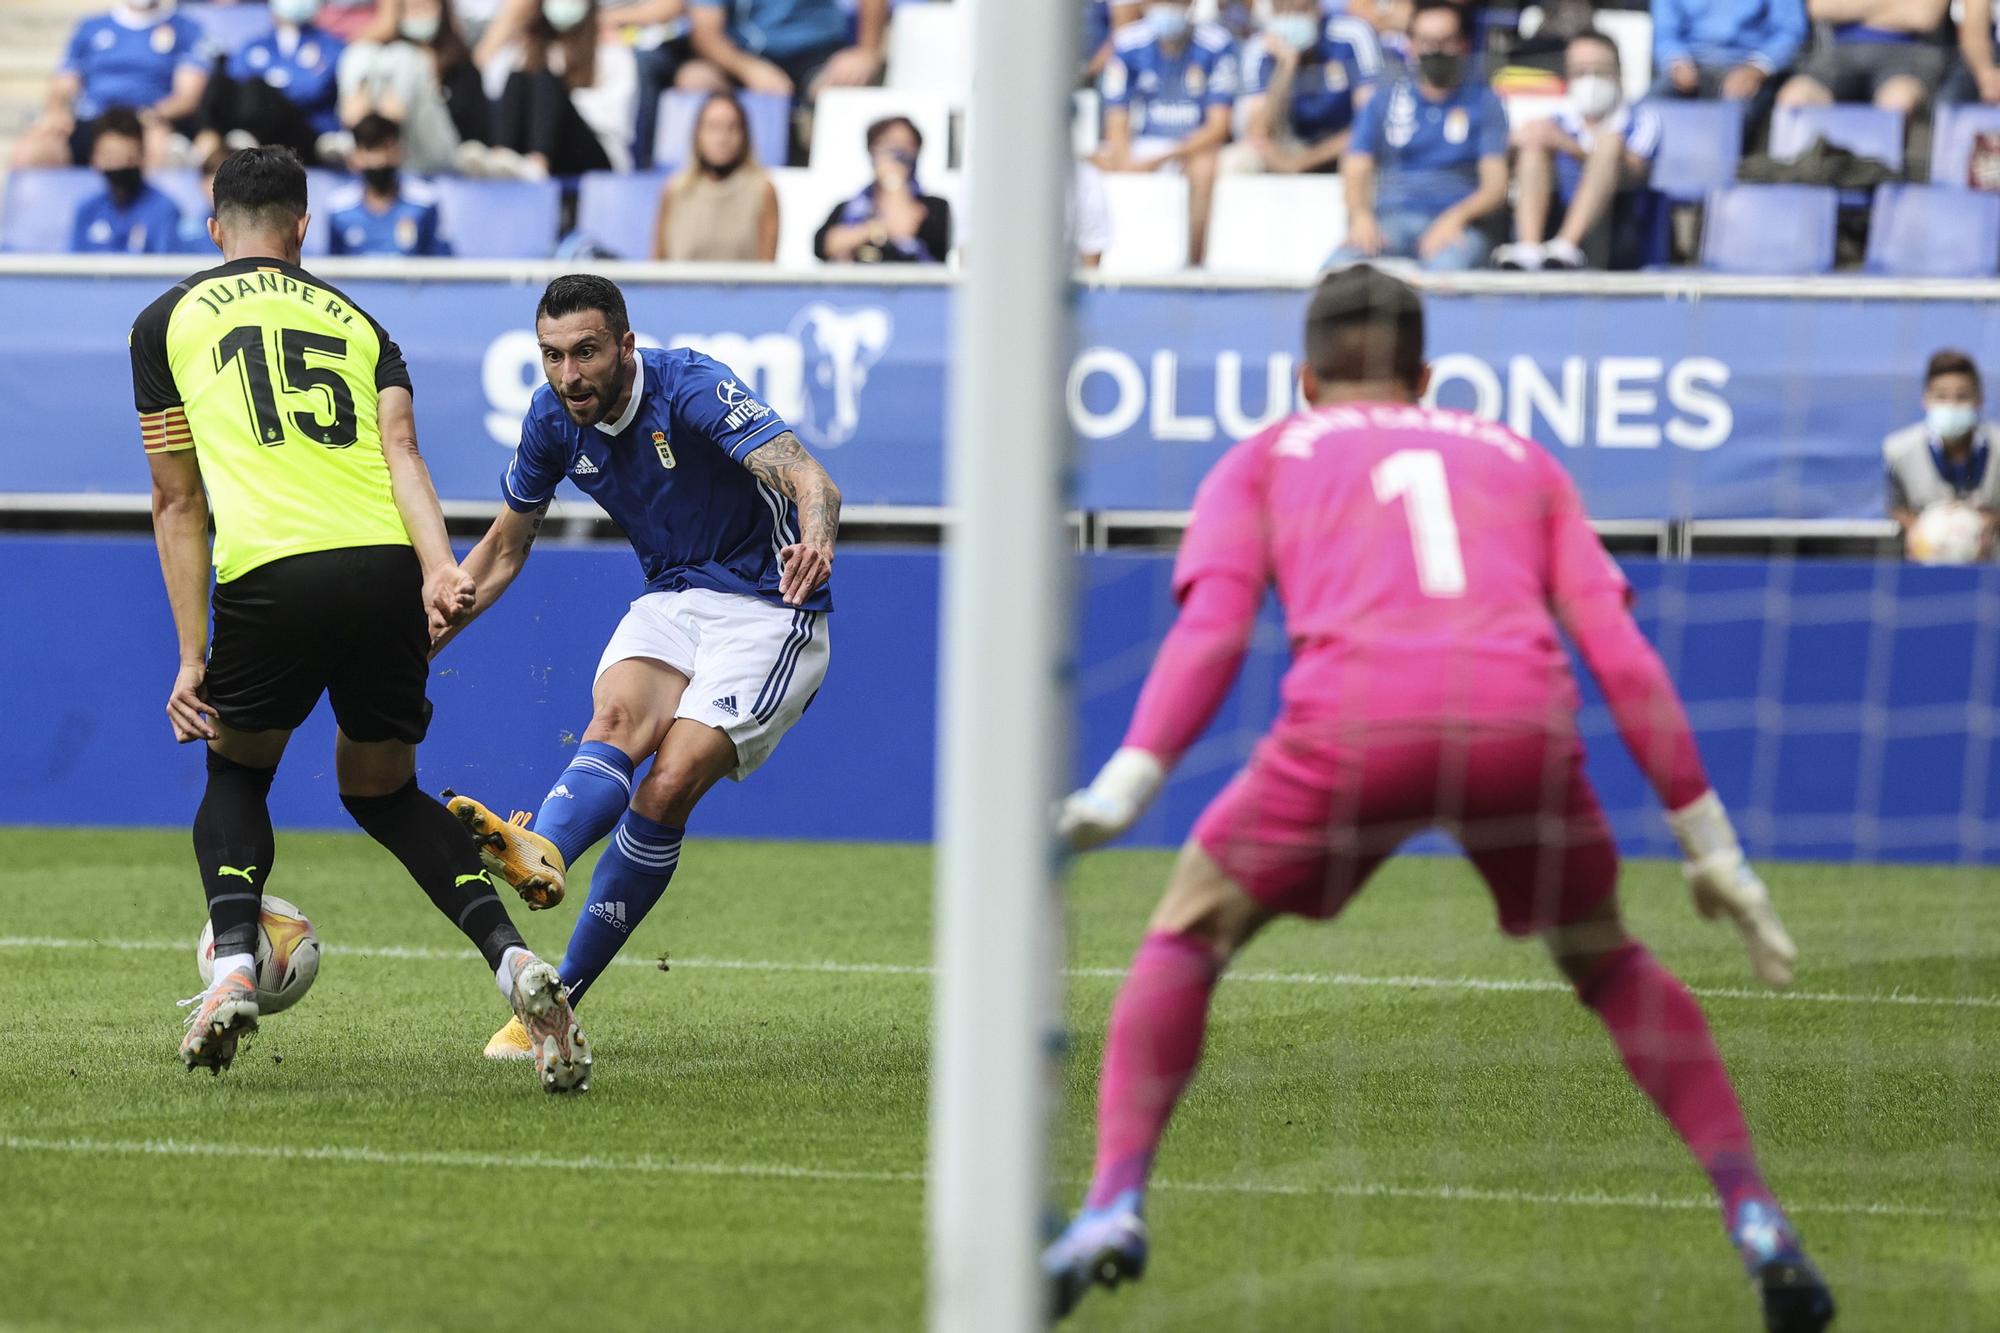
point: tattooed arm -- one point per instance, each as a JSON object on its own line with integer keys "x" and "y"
{"x": 493, "y": 564}
{"x": 784, "y": 465}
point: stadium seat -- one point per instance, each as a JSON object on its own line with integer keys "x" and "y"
{"x": 840, "y": 128}
{"x": 769, "y": 114}
{"x": 930, "y": 50}
{"x": 1769, "y": 229}
{"x": 490, "y": 219}
{"x": 1934, "y": 231}
{"x": 1149, "y": 223}
{"x": 1086, "y": 122}
{"x": 1952, "y": 133}
{"x": 41, "y": 205}
{"x": 617, "y": 210}
{"x": 1630, "y": 30}
{"x": 322, "y": 187}
{"x": 805, "y": 197}
{"x": 1865, "y": 130}
{"x": 183, "y": 186}
{"x": 1275, "y": 226}
{"x": 1700, "y": 145}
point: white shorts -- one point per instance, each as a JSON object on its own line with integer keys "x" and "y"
{"x": 752, "y": 667}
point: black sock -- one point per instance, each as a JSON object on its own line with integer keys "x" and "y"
{"x": 234, "y": 847}
{"x": 434, "y": 847}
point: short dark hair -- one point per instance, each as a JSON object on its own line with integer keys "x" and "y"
{"x": 573, "y": 293}
{"x": 887, "y": 123}
{"x": 122, "y": 121}
{"x": 1593, "y": 35}
{"x": 1950, "y": 361}
{"x": 1457, "y": 13}
{"x": 376, "y": 130}
{"x": 267, "y": 185}
{"x": 1363, "y": 325}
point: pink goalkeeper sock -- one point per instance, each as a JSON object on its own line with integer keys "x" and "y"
{"x": 1150, "y": 1054}
{"x": 1665, "y": 1042}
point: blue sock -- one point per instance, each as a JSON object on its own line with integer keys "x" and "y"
{"x": 587, "y": 799}
{"x": 629, "y": 879}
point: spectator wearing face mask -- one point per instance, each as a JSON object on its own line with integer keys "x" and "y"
{"x": 413, "y": 67}
{"x": 387, "y": 215}
{"x": 1168, "y": 92}
{"x": 722, "y": 205}
{"x": 1584, "y": 156}
{"x": 1948, "y": 456}
{"x": 130, "y": 217}
{"x": 892, "y": 221}
{"x": 1304, "y": 77}
{"x": 140, "y": 55}
{"x": 281, "y": 88}
{"x": 567, "y": 98}
{"x": 1428, "y": 158}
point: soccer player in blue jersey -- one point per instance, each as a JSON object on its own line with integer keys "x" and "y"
{"x": 386, "y": 214}
{"x": 734, "y": 524}
{"x": 1304, "y": 77}
{"x": 1428, "y": 159}
{"x": 1167, "y": 92}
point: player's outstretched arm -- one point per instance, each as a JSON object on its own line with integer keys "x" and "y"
{"x": 1191, "y": 676}
{"x": 448, "y": 590}
{"x": 1654, "y": 726}
{"x": 492, "y": 565}
{"x": 180, "y": 530}
{"x": 784, "y": 465}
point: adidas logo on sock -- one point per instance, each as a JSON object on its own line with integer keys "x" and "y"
{"x": 726, "y": 704}
{"x": 584, "y": 467}
{"x": 611, "y": 914}
{"x": 562, "y": 791}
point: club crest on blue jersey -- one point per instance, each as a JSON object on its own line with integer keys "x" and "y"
{"x": 663, "y": 449}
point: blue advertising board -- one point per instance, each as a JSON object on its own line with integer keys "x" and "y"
{"x": 1663, "y": 407}
{"x": 1846, "y": 711}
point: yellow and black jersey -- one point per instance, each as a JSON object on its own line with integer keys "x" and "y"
{"x": 272, "y": 378}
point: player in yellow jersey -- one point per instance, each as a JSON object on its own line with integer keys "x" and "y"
{"x": 269, "y": 399}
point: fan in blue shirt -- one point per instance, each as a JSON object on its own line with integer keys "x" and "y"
{"x": 140, "y": 55}
{"x": 795, "y": 47}
{"x": 734, "y": 525}
{"x": 386, "y": 214}
{"x": 298, "y": 60}
{"x": 1167, "y": 91}
{"x": 1429, "y": 156}
{"x": 1304, "y": 77}
{"x": 130, "y": 217}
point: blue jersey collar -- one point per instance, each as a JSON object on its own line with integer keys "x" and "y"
{"x": 625, "y": 419}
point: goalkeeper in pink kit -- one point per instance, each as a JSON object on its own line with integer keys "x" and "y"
{"x": 1428, "y": 563}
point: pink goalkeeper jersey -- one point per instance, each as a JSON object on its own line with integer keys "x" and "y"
{"x": 1420, "y": 554}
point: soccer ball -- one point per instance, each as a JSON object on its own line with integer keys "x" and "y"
{"x": 1947, "y": 533}
{"x": 287, "y": 956}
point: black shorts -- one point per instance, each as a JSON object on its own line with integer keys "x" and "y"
{"x": 347, "y": 623}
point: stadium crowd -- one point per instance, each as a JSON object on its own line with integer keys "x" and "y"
{"x": 1448, "y": 135}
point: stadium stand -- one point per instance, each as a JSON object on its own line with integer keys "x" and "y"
{"x": 40, "y": 203}
{"x": 840, "y": 125}
{"x": 1276, "y": 224}
{"x": 500, "y": 219}
{"x": 1769, "y": 229}
{"x": 1864, "y": 130}
{"x": 1928, "y": 231}
{"x": 1952, "y": 133}
{"x": 1149, "y": 223}
{"x": 617, "y": 210}
{"x": 1700, "y": 145}
{"x": 930, "y": 51}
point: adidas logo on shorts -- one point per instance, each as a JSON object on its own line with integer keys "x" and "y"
{"x": 726, "y": 704}
{"x": 611, "y": 914}
{"x": 584, "y": 467}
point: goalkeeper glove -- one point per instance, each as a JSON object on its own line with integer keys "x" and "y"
{"x": 1112, "y": 802}
{"x": 1723, "y": 884}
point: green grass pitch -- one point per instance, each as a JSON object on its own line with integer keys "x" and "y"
{"x": 1359, "y": 1153}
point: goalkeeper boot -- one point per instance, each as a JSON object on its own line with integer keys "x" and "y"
{"x": 1102, "y": 1247}
{"x": 510, "y": 1043}
{"x": 513, "y": 851}
{"x": 223, "y": 1014}
{"x": 1795, "y": 1297}
{"x": 541, "y": 1006}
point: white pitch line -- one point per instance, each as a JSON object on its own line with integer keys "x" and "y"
{"x": 1344, "y": 980}
{"x": 649, "y": 1165}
